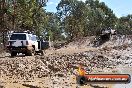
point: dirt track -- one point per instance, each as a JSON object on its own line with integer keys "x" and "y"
{"x": 56, "y": 68}
{"x": 24, "y": 72}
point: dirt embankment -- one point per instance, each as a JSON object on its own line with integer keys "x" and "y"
{"x": 25, "y": 70}
{"x": 57, "y": 68}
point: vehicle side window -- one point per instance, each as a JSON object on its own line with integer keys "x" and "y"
{"x": 33, "y": 38}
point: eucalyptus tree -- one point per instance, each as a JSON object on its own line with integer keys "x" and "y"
{"x": 124, "y": 24}
{"x": 100, "y": 16}
{"x": 23, "y": 15}
{"x": 72, "y": 14}
{"x": 53, "y": 28}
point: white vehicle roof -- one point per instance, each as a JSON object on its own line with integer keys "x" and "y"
{"x": 20, "y": 33}
{"x": 25, "y": 33}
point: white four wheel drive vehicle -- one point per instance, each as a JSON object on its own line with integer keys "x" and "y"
{"x": 22, "y": 42}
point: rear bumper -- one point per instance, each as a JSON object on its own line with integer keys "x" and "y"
{"x": 19, "y": 49}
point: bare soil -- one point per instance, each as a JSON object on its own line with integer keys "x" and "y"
{"x": 57, "y": 68}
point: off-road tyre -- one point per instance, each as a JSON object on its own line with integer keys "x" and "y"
{"x": 13, "y": 54}
{"x": 30, "y": 53}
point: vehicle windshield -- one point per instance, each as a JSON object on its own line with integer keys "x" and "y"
{"x": 18, "y": 37}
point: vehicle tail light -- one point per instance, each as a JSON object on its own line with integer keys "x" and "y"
{"x": 22, "y": 43}
{"x": 27, "y": 43}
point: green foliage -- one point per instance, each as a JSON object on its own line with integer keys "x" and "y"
{"x": 31, "y": 16}
{"x": 124, "y": 25}
{"x": 82, "y": 19}
{"x": 72, "y": 14}
{"x": 73, "y": 19}
{"x": 53, "y": 28}
{"x": 100, "y": 16}
{"x": 24, "y": 15}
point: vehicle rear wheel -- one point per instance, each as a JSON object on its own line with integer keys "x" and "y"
{"x": 13, "y": 54}
{"x": 30, "y": 53}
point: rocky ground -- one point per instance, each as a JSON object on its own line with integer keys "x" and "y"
{"x": 57, "y": 68}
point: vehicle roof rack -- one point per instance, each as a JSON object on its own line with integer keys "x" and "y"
{"x": 23, "y": 32}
